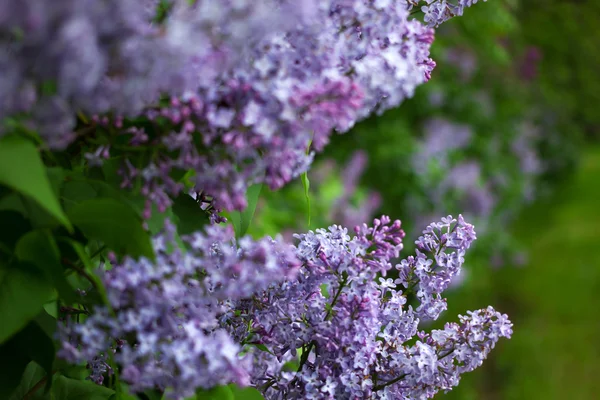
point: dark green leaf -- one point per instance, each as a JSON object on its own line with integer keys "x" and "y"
{"x": 40, "y": 249}
{"x": 110, "y": 169}
{"x": 105, "y": 190}
{"x": 47, "y": 322}
{"x": 21, "y": 169}
{"x": 29, "y": 344}
{"x": 74, "y": 192}
{"x": 12, "y": 366}
{"x": 23, "y": 292}
{"x": 216, "y": 393}
{"x": 245, "y": 393}
{"x": 18, "y": 227}
{"x": 114, "y": 223}
{"x": 32, "y": 375}
{"x": 71, "y": 389}
{"x": 191, "y": 218}
{"x": 153, "y": 395}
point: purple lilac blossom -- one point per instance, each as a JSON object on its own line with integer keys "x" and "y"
{"x": 261, "y": 81}
{"x": 182, "y": 322}
{"x": 163, "y": 322}
{"x": 437, "y": 12}
{"x": 352, "y": 324}
{"x": 293, "y": 89}
{"x": 110, "y": 56}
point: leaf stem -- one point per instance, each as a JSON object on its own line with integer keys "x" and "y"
{"x": 37, "y": 386}
{"x": 80, "y": 271}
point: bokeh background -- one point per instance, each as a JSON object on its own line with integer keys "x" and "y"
{"x": 506, "y": 132}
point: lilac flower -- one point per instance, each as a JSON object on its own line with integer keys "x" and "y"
{"x": 182, "y": 322}
{"x": 163, "y": 321}
{"x": 437, "y": 12}
{"x": 352, "y": 329}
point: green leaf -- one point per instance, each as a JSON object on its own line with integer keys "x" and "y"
{"x": 247, "y": 393}
{"x": 32, "y": 375}
{"x": 88, "y": 266}
{"x": 74, "y": 192}
{"x": 114, "y": 223}
{"x": 12, "y": 365}
{"x": 216, "y": 393}
{"x": 157, "y": 220}
{"x": 325, "y": 290}
{"x": 306, "y": 185}
{"x": 23, "y": 292}
{"x": 71, "y": 389}
{"x": 110, "y": 170}
{"x": 29, "y": 344}
{"x": 21, "y": 169}
{"x": 18, "y": 227}
{"x": 262, "y": 347}
{"x": 47, "y": 322}
{"x": 40, "y": 249}
{"x": 191, "y": 218}
{"x": 241, "y": 220}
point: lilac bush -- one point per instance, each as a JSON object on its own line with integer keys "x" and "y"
{"x": 158, "y": 116}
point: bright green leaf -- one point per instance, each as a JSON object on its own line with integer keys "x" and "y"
{"x": 71, "y": 389}
{"x": 40, "y": 249}
{"x": 247, "y": 393}
{"x": 216, "y": 393}
{"x": 114, "y": 223}
{"x": 21, "y": 169}
{"x": 23, "y": 292}
{"x": 306, "y": 185}
{"x": 88, "y": 266}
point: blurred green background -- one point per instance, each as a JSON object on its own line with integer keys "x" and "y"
{"x": 506, "y": 132}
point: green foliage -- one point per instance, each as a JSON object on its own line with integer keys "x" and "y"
{"x": 39, "y": 248}
{"x": 29, "y": 344}
{"x": 306, "y": 185}
{"x": 115, "y": 224}
{"x": 190, "y": 217}
{"x": 71, "y": 389}
{"x": 23, "y": 291}
{"x": 22, "y": 170}
{"x": 217, "y": 393}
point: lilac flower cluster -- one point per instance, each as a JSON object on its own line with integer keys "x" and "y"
{"x": 291, "y": 90}
{"x": 350, "y": 323}
{"x": 243, "y": 312}
{"x": 262, "y": 80}
{"x": 114, "y": 56}
{"x": 437, "y": 12}
{"x": 162, "y": 324}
